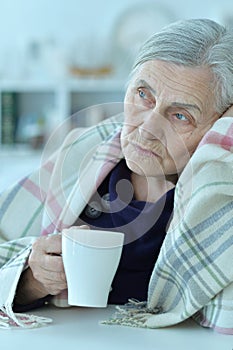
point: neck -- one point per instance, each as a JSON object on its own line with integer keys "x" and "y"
{"x": 150, "y": 189}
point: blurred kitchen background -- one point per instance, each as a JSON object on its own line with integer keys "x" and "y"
{"x": 65, "y": 63}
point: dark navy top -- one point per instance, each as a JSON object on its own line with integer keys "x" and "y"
{"x": 113, "y": 207}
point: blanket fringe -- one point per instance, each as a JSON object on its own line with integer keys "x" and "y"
{"x": 134, "y": 314}
{"x": 22, "y": 320}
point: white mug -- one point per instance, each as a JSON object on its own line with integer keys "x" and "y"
{"x": 90, "y": 259}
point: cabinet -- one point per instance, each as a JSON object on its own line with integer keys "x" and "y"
{"x": 37, "y": 108}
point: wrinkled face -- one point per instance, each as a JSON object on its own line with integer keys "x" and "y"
{"x": 168, "y": 109}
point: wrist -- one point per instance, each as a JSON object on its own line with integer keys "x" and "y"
{"x": 29, "y": 289}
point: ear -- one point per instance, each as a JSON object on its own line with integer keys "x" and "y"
{"x": 228, "y": 112}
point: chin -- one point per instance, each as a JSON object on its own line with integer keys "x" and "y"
{"x": 131, "y": 164}
{"x": 135, "y": 167}
{"x": 139, "y": 168}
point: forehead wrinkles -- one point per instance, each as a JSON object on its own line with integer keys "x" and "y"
{"x": 195, "y": 82}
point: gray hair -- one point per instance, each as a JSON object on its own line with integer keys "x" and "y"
{"x": 195, "y": 43}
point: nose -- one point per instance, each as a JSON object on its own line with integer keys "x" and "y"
{"x": 153, "y": 127}
{"x": 145, "y": 133}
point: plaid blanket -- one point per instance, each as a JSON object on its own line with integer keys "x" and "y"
{"x": 193, "y": 275}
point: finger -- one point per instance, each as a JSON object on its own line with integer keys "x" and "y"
{"x": 48, "y": 244}
{"x": 47, "y": 276}
{"x": 85, "y": 227}
{"x": 52, "y": 263}
{"x": 55, "y": 278}
{"x": 49, "y": 264}
{"x": 54, "y": 290}
{"x": 42, "y": 264}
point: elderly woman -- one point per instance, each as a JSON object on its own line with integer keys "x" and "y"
{"x": 180, "y": 85}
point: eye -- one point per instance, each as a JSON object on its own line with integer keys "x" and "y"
{"x": 141, "y": 93}
{"x": 181, "y": 117}
{"x": 145, "y": 97}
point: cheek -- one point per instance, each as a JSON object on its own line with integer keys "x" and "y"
{"x": 187, "y": 141}
{"x": 193, "y": 141}
{"x": 130, "y": 106}
{"x": 131, "y": 118}
{"x": 126, "y": 131}
{"x": 129, "y": 111}
{"x": 179, "y": 151}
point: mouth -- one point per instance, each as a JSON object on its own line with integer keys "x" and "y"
{"x": 145, "y": 152}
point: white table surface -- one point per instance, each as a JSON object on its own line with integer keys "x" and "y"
{"x": 80, "y": 329}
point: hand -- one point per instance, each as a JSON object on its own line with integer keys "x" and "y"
{"x": 228, "y": 112}
{"x": 45, "y": 274}
{"x": 45, "y": 262}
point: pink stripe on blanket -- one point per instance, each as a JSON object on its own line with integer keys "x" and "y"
{"x": 48, "y": 230}
{"x": 54, "y": 227}
{"x": 223, "y": 330}
{"x": 104, "y": 171}
{"x": 112, "y": 153}
{"x": 35, "y": 190}
{"x": 53, "y": 204}
{"x": 213, "y": 137}
{"x": 208, "y": 324}
{"x": 49, "y": 166}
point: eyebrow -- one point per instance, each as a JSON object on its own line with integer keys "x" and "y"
{"x": 175, "y": 104}
{"x": 145, "y": 84}
{"x": 186, "y": 105}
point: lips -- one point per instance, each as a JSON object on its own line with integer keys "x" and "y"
{"x": 145, "y": 151}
